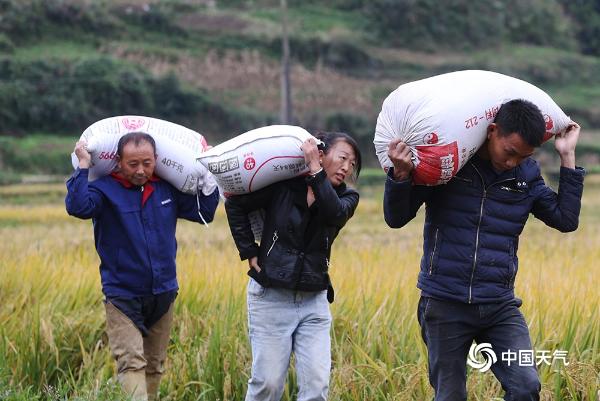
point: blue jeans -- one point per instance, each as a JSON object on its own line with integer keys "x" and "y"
{"x": 281, "y": 321}
{"x": 449, "y": 328}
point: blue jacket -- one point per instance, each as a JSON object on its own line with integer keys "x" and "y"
{"x": 473, "y": 223}
{"x": 136, "y": 243}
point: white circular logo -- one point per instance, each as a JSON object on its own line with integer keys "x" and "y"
{"x": 489, "y": 356}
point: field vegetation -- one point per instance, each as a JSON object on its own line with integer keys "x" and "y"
{"x": 213, "y": 66}
{"x": 53, "y": 346}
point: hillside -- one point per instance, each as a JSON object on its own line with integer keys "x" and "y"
{"x": 214, "y": 65}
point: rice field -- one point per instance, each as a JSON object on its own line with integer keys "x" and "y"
{"x": 52, "y": 345}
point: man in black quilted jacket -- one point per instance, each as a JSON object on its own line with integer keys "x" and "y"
{"x": 471, "y": 237}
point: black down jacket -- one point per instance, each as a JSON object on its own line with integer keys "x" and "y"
{"x": 473, "y": 223}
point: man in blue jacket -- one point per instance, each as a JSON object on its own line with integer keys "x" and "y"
{"x": 471, "y": 237}
{"x": 134, "y": 215}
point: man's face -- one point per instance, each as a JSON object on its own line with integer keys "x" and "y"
{"x": 137, "y": 163}
{"x": 508, "y": 151}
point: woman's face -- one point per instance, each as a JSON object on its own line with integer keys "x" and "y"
{"x": 339, "y": 162}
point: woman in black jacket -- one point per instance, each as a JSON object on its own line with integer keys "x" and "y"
{"x": 289, "y": 290}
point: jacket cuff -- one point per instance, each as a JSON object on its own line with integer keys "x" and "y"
{"x": 391, "y": 181}
{"x": 317, "y": 178}
{"x": 576, "y": 173}
{"x": 251, "y": 252}
{"x": 81, "y": 171}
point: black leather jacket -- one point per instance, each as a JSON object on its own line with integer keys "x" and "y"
{"x": 296, "y": 241}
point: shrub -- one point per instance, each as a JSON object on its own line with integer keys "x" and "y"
{"x": 25, "y": 19}
{"x": 335, "y": 53}
{"x": 65, "y": 97}
{"x": 587, "y": 15}
{"x": 6, "y": 45}
{"x": 464, "y": 24}
{"x": 360, "y": 128}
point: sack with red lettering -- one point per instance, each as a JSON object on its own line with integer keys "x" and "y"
{"x": 257, "y": 158}
{"x": 177, "y": 148}
{"x": 444, "y": 119}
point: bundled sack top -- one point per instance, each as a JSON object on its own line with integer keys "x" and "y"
{"x": 444, "y": 119}
{"x": 257, "y": 158}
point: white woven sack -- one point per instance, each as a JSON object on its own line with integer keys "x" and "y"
{"x": 177, "y": 148}
{"x": 444, "y": 119}
{"x": 257, "y": 158}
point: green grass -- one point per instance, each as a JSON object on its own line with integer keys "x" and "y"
{"x": 370, "y": 176}
{"x": 43, "y": 140}
{"x": 310, "y": 19}
{"x": 549, "y": 66}
{"x": 32, "y": 193}
{"x": 582, "y": 97}
{"x": 56, "y": 49}
{"x": 35, "y": 154}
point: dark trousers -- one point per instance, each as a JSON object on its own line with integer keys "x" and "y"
{"x": 449, "y": 328}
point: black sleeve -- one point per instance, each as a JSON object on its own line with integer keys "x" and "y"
{"x": 402, "y": 200}
{"x": 334, "y": 210}
{"x": 237, "y": 208}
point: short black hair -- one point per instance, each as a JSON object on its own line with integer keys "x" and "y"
{"x": 524, "y": 118}
{"x": 330, "y": 138}
{"x": 136, "y": 138}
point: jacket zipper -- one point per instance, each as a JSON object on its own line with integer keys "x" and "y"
{"x": 513, "y": 272}
{"x": 513, "y": 267}
{"x": 458, "y": 177}
{"x": 476, "y": 245}
{"x": 511, "y": 189}
{"x": 433, "y": 253}
{"x": 326, "y": 248}
{"x": 275, "y": 238}
{"x": 479, "y": 226}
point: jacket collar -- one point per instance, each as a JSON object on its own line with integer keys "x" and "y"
{"x": 121, "y": 180}
{"x": 340, "y": 189}
{"x": 521, "y": 173}
{"x": 518, "y": 173}
{"x": 147, "y": 189}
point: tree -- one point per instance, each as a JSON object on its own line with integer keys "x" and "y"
{"x": 285, "y": 113}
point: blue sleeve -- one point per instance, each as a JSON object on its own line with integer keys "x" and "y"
{"x": 560, "y": 211}
{"x": 82, "y": 200}
{"x": 195, "y": 207}
{"x": 402, "y": 200}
